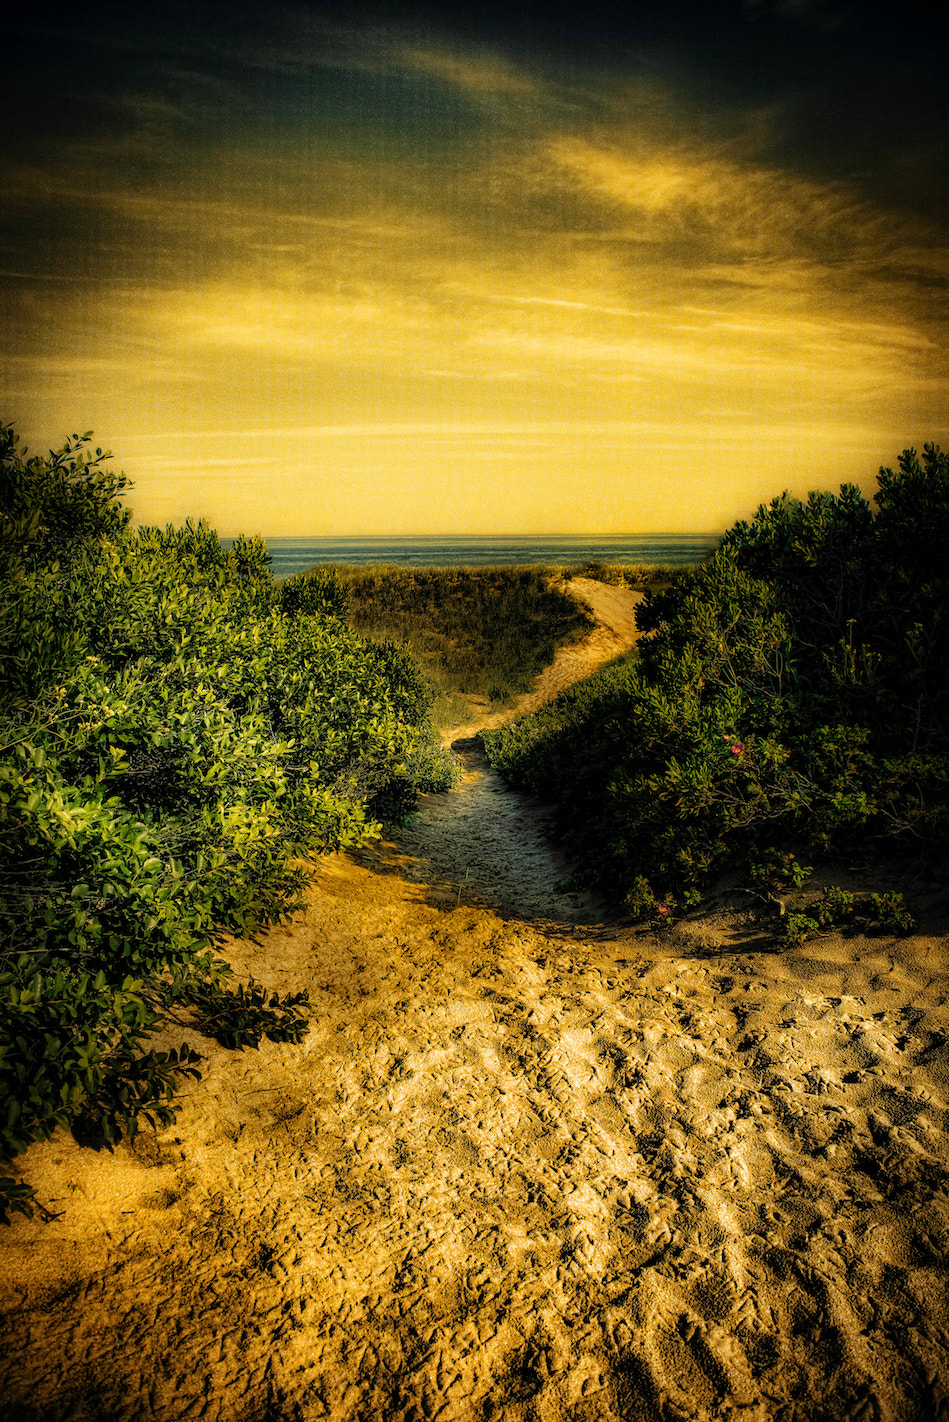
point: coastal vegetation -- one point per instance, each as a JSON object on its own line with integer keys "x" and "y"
{"x": 791, "y": 691}
{"x": 636, "y": 576}
{"x": 178, "y": 737}
{"x": 478, "y": 633}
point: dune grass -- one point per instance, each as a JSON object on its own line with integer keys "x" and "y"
{"x": 623, "y": 575}
{"x": 483, "y": 633}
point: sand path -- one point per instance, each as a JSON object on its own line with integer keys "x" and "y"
{"x": 615, "y": 612}
{"x": 486, "y": 843}
{"x": 524, "y": 1167}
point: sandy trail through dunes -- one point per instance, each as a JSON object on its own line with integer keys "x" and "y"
{"x": 615, "y": 631}
{"x": 524, "y": 1167}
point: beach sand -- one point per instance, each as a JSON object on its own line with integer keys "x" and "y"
{"x": 527, "y": 1165}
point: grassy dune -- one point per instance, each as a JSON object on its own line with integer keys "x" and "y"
{"x": 482, "y": 633}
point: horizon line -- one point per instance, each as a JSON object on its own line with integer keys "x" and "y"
{"x": 474, "y": 537}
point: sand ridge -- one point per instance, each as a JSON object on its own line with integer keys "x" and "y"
{"x": 614, "y": 632}
{"x": 527, "y": 1165}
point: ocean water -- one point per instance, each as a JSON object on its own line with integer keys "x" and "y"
{"x": 297, "y": 555}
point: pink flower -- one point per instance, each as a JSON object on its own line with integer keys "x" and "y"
{"x": 662, "y": 908}
{"x": 737, "y": 749}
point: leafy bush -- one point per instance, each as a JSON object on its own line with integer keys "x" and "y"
{"x": 776, "y": 869}
{"x": 177, "y": 738}
{"x": 798, "y": 927}
{"x": 837, "y": 907}
{"x": 52, "y": 508}
{"x": 317, "y": 592}
{"x": 891, "y": 914}
{"x": 793, "y": 688}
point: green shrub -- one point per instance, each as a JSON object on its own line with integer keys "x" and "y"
{"x": 839, "y": 907}
{"x": 798, "y": 927}
{"x": 776, "y": 869}
{"x": 836, "y": 905}
{"x": 317, "y": 593}
{"x": 794, "y": 688}
{"x": 891, "y": 913}
{"x": 52, "y": 509}
{"x": 177, "y": 738}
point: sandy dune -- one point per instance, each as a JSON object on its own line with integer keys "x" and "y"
{"x": 615, "y": 632}
{"x": 526, "y": 1166}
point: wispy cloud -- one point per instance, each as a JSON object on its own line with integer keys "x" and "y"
{"x": 740, "y": 207}
{"x": 478, "y": 74}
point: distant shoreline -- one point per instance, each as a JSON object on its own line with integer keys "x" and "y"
{"x": 290, "y": 556}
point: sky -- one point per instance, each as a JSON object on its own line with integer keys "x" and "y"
{"x": 515, "y": 269}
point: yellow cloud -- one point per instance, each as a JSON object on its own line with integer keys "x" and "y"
{"x": 741, "y": 207}
{"x": 479, "y": 74}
